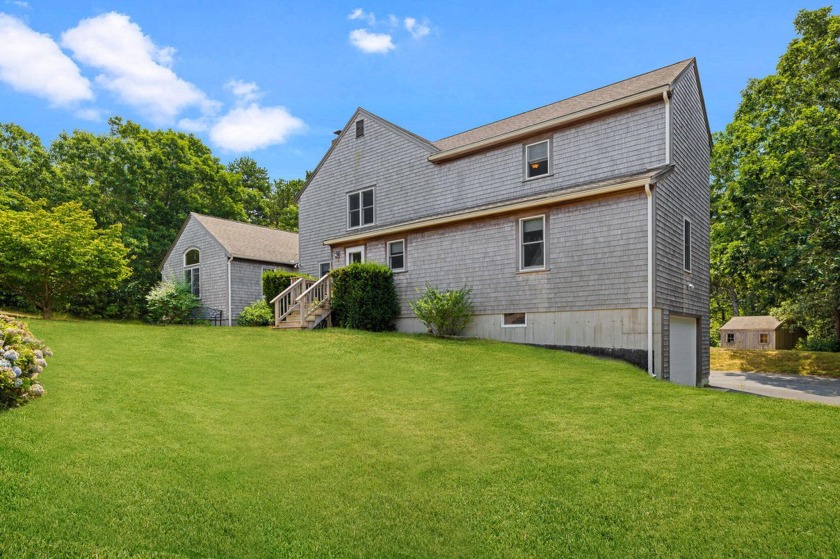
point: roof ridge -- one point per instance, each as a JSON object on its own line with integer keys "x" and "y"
{"x": 243, "y": 223}
{"x": 686, "y": 61}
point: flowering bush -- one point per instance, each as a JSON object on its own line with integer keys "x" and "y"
{"x": 171, "y": 302}
{"x": 21, "y": 363}
{"x": 445, "y": 313}
{"x": 257, "y": 313}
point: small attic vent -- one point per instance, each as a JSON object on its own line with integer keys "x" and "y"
{"x": 360, "y": 128}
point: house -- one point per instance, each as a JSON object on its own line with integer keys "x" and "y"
{"x": 583, "y": 224}
{"x": 223, "y": 260}
{"x": 758, "y": 332}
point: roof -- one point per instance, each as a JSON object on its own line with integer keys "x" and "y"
{"x": 752, "y": 323}
{"x": 251, "y": 242}
{"x": 619, "y": 90}
{"x": 586, "y": 190}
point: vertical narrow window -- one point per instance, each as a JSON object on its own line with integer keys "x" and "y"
{"x": 532, "y": 235}
{"x": 360, "y": 208}
{"x": 396, "y": 255}
{"x": 192, "y": 260}
{"x": 536, "y": 160}
{"x": 687, "y": 245}
{"x": 360, "y": 128}
{"x": 325, "y": 269}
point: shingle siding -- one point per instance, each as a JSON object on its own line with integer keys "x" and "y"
{"x": 685, "y": 193}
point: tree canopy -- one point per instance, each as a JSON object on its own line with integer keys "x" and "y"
{"x": 776, "y": 188}
{"x": 49, "y": 257}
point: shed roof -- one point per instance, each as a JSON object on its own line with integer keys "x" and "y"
{"x": 251, "y": 242}
{"x": 752, "y": 323}
{"x": 619, "y": 90}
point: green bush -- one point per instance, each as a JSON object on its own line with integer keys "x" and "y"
{"x": 813, "y": 343}
{"x": 364, "y": 297}
{"x": 171, "y": 302}
{"x": 445, "y": 313}
{"x": 21, "y": 362}
{"x": 258, "y": 313}
{"x": 277, "y": 281}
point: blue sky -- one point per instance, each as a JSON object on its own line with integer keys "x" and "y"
{"x": 273, "y": 79}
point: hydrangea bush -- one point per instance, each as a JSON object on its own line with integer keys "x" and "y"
{"x": 258, "y": 313}
{"x": 21, "y": 363}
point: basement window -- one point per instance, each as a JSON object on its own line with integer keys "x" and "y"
{"x": 514, "y": 319}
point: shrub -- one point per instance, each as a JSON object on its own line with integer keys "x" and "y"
{"x": 813, "y": 343}
{"x": 171, "y": 302}
{"x": 21, "y": 363}
{"x": 364, "y": 297}
{"x": 277, "y": 281}
{"x": 445, "y": 313}
{"x": 258, "y": 313}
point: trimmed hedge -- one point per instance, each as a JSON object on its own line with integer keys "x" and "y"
{"x": 364, "y": 297}
{"x": 277, "y": 281}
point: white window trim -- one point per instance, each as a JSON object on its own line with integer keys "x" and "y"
{"x": 404, "y": 255}
{"x": 548, "y": 159}
{"x": 361, "y": 208}
{"x": 514, "y": 325}
{"x": 184, "y": 258}
{"x": 329, "y": 267}
{"x": 521, "y": 245}
{"x": 687, "y": 261}
{"x": 353, "y": 250}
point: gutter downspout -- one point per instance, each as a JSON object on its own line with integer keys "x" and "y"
{"x": 230, "y": 318}
{"x": 650, "y": 280}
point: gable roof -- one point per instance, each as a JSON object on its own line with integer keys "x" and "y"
{"x": 636, "y": 86}
{"x": 249, "y": 241}
{"x": 752, "y": 323}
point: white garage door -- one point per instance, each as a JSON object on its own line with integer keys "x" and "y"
{"x": 683, "y": 356}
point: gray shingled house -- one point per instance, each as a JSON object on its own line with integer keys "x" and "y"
{"x": 583, "y": 224}
{"x": 758, "y": 332}
{"x": 223, "y": 260}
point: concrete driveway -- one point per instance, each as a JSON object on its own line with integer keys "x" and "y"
{"x": 794, "y": 387}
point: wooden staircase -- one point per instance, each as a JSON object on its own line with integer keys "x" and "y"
{"x": 304, "y": 305}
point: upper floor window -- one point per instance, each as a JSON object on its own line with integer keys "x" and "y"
{"x": 396, "y": 255}
{"x": 192, "y": 259}
{"x": 687, "y": 245}
{"x": 360, "y": 208}
{"x": 536, "y": 159}
{"x": 532, "y": 241}
{"x": 360, "y": 128}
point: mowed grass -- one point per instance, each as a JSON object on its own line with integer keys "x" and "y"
{"x": 199, "y": 442}
{"x": 791, "y": 362}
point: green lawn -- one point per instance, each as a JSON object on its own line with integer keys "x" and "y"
{"x": 787, "y": 361}
{"x": 234, "y": 443}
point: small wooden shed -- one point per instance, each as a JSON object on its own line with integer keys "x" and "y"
{"x": 757, "y": 332}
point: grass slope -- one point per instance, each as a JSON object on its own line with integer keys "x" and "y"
{"x": 792, "y": 362}
{"x": 196, "y": 442}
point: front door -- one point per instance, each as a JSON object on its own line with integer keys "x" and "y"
{"x": 355, "y": 254}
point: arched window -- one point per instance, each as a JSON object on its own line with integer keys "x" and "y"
{"x": 192, "y": 258}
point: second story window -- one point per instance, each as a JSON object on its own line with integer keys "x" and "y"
{"x": 360, "y": 128}
{"x": 536, "y": 159}
{"x": 687, "y": 245}
{"x": 360, "y": 208}
{"x": 532, "y": 243}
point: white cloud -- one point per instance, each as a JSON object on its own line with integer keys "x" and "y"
{"x": 359, "y": 13}
{"x": 94, "y": 115}
{"x": 133, "y": 67}
{"x": 417, "y": 30}
{"x": 393, "y": 21}
{"x": 246, "y": 92}
{"x": 32, "y": 62}
{"x": 251, "y": 127}
{"x": 368, "y": 42}
{"x": 20, "y": 4}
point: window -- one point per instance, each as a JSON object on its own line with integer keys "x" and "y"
{"x": 355, "y": 255}
{"x": 532, "y": 253}
{"x": 360, "y": 208}
{"x": 324, "y": 269}
{"x": 514, "y": 319}
{"x": 267, "y": 269}
{"x": 536, "y": 159}
{"x": 396, "y": 255}
{"x": 687, "y": 245}
{"x": 763, "y": 338}
{"x": 730, "y": 338}
{"x": 360, "y": 128}
{"x": 192, "y": 259}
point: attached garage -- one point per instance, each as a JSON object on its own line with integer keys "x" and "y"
{"x": 683, "y": 350}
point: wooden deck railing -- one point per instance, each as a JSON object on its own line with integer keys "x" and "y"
{"x": 318, "y": 296}
{"x": 286, "y": 302}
